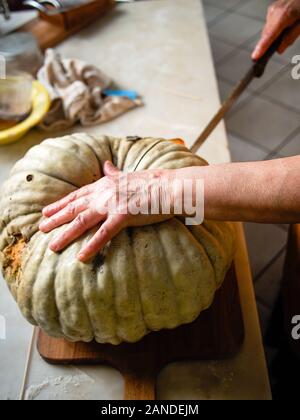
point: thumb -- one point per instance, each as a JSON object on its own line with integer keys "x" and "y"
{"x": 110, "y": 169}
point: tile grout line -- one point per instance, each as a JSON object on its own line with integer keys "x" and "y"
{"x": 286, "y": 141}
{"x": 269, "y": 264}
{"x": 245, "y": 46}
{"x": 256, "y": 145}
{"x": 259, "y": 91}
{"x": 283, "y": 227}
{"x": 277, "y": 57}
{"x": 259, "y": 301}
{"x": 290, "y": 108}
{"x": 270, "y": 152}
{"x": 217, "y": 6}
{"x": 235, "y": 46}
{"x": 250, "y": 141}
{"x": 236, "y": 10}
{"x": 217, "y": 19}
{"x": 272, "y": 80}
{"x": 256, "y": 18}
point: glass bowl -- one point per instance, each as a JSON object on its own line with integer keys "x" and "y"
{"x": 15, "y": 96}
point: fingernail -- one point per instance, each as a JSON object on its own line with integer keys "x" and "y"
{"x": 43, "y": 226}
{"x": 255, "y": 53}
{"x": 47, "y": 211}
{"x": 54, "y": 246}
{"x": 81, "y": 257}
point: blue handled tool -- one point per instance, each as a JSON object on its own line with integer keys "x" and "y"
{"x": 130, "y": 94}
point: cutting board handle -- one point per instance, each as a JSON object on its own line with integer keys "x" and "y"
{"x": 140, "y": 384}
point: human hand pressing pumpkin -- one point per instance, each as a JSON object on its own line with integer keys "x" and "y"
{"x": 282, "y": 14}
{"x": 95, "y": 204}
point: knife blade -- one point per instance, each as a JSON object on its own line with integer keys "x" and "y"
{"x": 256, "y": 70}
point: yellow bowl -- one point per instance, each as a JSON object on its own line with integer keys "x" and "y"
{"x": 40, "y": 106}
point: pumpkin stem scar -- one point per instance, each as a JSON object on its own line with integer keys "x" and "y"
{"x": 13, "y": 259}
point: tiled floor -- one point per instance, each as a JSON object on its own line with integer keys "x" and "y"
{"x": 264, "y": 124}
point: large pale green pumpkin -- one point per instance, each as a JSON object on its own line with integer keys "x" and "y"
{"x": 146, "y": 279}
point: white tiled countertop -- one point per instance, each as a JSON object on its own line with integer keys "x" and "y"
{"x": 161, "y": 49}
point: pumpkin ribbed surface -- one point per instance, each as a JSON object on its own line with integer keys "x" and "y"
{"x": 147, "y": 279}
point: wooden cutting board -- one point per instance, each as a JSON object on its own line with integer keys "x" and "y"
{"x": 49, "y": 31}
{"x": 218, "y": 333}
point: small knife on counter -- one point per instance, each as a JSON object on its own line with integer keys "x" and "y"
{"x": 256, "y": 70}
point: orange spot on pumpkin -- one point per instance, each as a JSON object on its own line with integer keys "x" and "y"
{"x": 178, "y": 141}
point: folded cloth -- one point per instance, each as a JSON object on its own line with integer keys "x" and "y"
{"x": 76, "y": 91}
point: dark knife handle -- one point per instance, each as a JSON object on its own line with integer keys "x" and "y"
{"x": 260, "y": 65}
